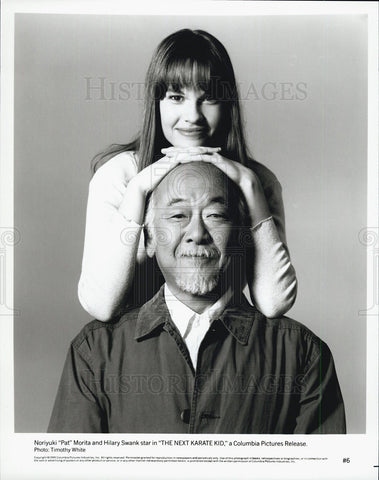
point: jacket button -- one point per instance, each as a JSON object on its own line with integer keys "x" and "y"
{"x": 185, "y": 415}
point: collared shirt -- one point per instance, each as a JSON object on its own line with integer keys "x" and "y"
{"x": 191, "y": 325}
{"x": 253, "y": 375}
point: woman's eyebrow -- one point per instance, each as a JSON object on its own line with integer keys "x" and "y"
{"x": 171, "y": 89}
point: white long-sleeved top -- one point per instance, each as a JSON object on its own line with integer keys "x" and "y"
{"x": 112, "y": 241}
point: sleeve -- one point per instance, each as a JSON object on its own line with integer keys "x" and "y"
{"x": 272, "y": 280}
{"x": 273, "y": 194}
{"x": 112, "y": 242}
{"x": 321, "y": 407}
{"x": 76, "y": 408}
{"x": 273, "y": 283}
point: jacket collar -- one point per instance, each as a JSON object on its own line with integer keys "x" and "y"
{"x": 238, "y": 317}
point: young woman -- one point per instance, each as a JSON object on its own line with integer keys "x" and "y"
{"x": 191, "y": 113}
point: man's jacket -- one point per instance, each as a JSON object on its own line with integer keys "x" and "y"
{"x": 253, "y": 375}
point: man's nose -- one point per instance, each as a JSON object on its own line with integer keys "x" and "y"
{"x": 197, "y": 231}
{"x": 192, "y": 111}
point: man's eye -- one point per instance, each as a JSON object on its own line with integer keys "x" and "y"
{"x": 178, "y": 216}
{"x": 218, "y": 216}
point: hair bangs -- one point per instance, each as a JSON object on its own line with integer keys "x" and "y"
{"x": 198, "y": 73}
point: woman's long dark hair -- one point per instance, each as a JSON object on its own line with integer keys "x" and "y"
{"x": 186, "y": 58}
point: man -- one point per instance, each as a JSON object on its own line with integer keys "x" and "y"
{"x": 198, "y": 358}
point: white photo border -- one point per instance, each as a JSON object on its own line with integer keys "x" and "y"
{"x": 16, "y": 459}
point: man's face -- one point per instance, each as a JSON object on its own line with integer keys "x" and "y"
{"x": 192, "y": 227}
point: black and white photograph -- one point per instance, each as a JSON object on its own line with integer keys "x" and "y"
{"x": 190, "y": 249}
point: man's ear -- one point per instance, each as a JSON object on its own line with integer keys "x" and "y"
{"x": 149, "y": 242}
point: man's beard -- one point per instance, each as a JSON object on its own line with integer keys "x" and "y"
{"x": 198, "y": 279}
{"x": 198, "y": 283}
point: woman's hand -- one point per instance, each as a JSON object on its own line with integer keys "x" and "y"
{"x": 139, "y": 186}
{"x": 148, "y": 178}
{"x": 244, "y": 177}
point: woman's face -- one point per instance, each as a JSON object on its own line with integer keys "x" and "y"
{"x": 189, "y": 118}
